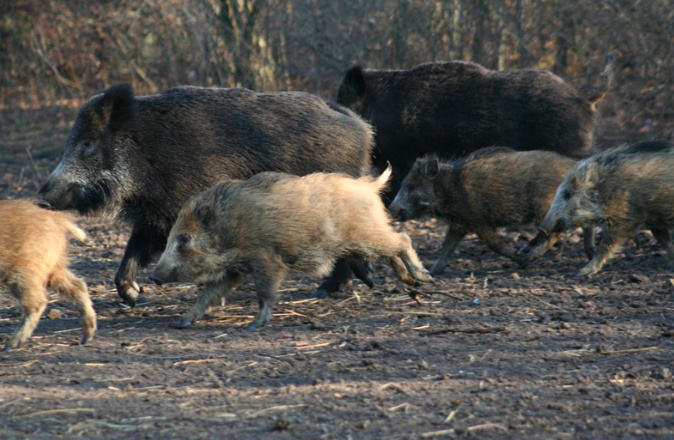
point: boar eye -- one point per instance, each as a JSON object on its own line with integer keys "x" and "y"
{"x": 566, "y": 195}
{"x": 88, "y": 148}
{"x": 412, "y": 188}
{"x": 182, "y": 240}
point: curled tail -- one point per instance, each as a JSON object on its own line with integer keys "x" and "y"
{"x": 607, "y": 79}
{"x": 78, "y": 233}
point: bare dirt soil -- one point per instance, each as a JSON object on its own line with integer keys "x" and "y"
{"x": 489, "y": 350}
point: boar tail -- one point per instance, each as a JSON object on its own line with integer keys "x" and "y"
{"x": 607, "y": 79}
{"x": 76, "y": 232}
{"x": 383, "y": 178}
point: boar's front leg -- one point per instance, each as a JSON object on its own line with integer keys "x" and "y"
{"x": 589, "y": 241}
{"x": 337, "y": 281}
{"x": 452, "y": 240}
{"x": 211, "y": 296}
{"x": 143, "y": 244}
{"x": 665, "y": 240}
{"x": 267, "y": 282}
{"x": 612, "y": 239}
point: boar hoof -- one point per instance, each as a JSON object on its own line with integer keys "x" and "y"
{"x": 437, "y": 270}
{"x": 128, "y": 292}
{"x": 85, "y": 339}
{"x": 252, "y": 327}
{"x": 183, "y": 323}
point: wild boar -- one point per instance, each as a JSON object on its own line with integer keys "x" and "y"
{"x": 276, "y": 224}
{"x": 33, "y": 257}
{"x": 140, "y": 158}
{"x": 620, "y": 189}
{"x": 454, "y": 108}
{"x": 493, "y": 187}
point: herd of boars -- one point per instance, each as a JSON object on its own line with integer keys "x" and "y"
{"x": 226, "y": 183}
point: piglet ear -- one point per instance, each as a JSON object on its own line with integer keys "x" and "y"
{"x": 431, "y": 169}
{"x": 205, "y": 215}
{"x": 116, "y": 106}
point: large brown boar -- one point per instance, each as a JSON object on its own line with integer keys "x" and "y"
{"x": 276, "y": 224}
{"x": 33, "y": 257}
{"x": 493, "y": 187}
{"x": 454, "y": 108}
{"x": 620, "y": 189}
{"x": 140, "y": 157}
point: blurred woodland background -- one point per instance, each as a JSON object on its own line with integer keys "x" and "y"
{"x": 57, "y": 53}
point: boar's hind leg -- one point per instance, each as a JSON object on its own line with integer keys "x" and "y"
{"x": 211, "y": 296}
{"x": 665, "y": 240}
{"x": 67, "y": 284}
{"x": 452, "y": 240}
{"x": 612, "y": 239}
{"x": 33, "y": 300}
{"x": 494, "y": 242}
{"x": 266, "y": 285}
{"x": 411, "y": 263}
{"x": 143, "y": 244}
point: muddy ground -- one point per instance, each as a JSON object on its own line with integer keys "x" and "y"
{"x": 488, "y": 350}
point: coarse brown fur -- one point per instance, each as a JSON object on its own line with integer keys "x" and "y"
{"x": 621, "y": 189}
{"x": 493, "y": 187}
{"x": 33, "y": 257}
{"x": 276, "y": 224}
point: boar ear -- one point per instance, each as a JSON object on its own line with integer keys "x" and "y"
{"x": 355, "y": 80}
{"x": 591, "y": 173}
{"x": 205, "y": 215}
{"x": 431, "y": 169}
{"x": 117, "y": 105}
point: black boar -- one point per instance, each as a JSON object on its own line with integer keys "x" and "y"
{"x": 275, "y": 224}
{"x": 620, "y": 189}
{"x": 454, "y": 108}
{"x": 33, "y": 257}
{"x": 493, "y": 187}
{"x": 140, "y": 158}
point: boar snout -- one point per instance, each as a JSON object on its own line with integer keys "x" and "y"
{"x": 162, "y": 275}
{"x": 398, "y": 212}
{"x": 57, "y": 196}
{"x": 155, "y": 279}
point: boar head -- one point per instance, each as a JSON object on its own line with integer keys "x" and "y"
{"x": 575, "y": 203}
{"x": 95, "y": 172}
{"x": 416, "y": 195}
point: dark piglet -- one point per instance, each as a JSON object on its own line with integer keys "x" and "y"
{"x": 493, "y": 187}
{"x": 454, "y": 108}
{"x": 620, "y": 189}
{"x": 275, "y": 224}
{"x": 140, "y": 158}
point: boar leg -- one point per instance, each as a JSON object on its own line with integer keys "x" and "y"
{"x": 496, "y": 244}
{"x": 68, "y": 285}
{"x": 665, "y": 240}
{"x": 266, "y": 284}
{"x": 211, "y": 296}
{"x": 143, "y": 244}
{"x": 33, "y": 300}
{"x": 452, "y": 240}
{"x": 337, "y": 281}
{"x": 411, "y": 262}
{"x": 612, "y": 239}
{"x": 589, "y": 241}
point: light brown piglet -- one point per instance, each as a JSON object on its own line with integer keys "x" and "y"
{"x": 276, "y": 224}
{"x": 33, "y": 257}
